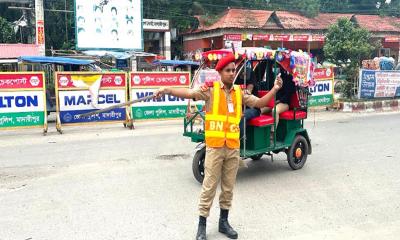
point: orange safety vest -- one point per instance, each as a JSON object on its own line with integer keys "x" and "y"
{"x": 222, "y": 125}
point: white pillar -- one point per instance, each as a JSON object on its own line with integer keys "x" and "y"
{"x": 167, "y": 45}
{"x": 40, "y": 36}
{"x": 134, "y": 63}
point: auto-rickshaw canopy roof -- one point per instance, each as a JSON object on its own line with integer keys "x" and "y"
{"x": 297, "y": 63}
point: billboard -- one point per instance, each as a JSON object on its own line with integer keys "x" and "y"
{"x": 143, "y": 84}
{"x": 322, "y": 91}
{"x": 82, "y": 92}
{"x": 22, "y": 100}
{"x": 109, "y": 24}
{"x": 379, "y": 84}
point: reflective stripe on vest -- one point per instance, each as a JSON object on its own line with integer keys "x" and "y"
{"x": 221, "y": 126}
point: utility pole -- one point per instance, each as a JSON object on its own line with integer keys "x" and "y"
{"x": 40, "y": 36}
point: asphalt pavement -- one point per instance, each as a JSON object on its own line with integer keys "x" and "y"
{"x": 107, "y": 182}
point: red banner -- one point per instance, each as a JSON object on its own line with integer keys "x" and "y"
{"x": 281, "y": 37}
{"x": 392, "y": 39}
{"x": 261, "y": 37}
{"x": 233, "y": 37}
{"x": 21, "y": 80}
{"x": 318, "y": 38}
{"x": 40, "y": 32}
{"x": 139, "y": 79}
{"x": 323, "y": 73}
{"x": 84, "y": 80}
{"x": 301, "y": 38}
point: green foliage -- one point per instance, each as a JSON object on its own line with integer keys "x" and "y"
{"x": 309, "y": 8}
{"x": 59, "y": 26}
{"x": 346, "y": 45}
{"x": 7, "y": 34}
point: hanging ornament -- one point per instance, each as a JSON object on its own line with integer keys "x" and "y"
{"x": 292, "y": 61}
{"x": 197, "y": 56}
{"x": 280, "y": 57}
{"x": 273, "y": 55}
{"x": 215, "y": 57}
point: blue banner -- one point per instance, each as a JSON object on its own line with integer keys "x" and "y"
{"x": 367, "y": 84}
{"x": 67, "y": 117}
{"x": 379, "y": 84}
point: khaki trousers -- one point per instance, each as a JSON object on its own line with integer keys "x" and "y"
{"x": 220, "y": 164}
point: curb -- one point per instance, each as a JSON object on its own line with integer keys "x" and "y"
{"x": 371, "y": 106}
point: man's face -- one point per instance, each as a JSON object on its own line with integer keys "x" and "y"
{"x": 228, "y": 73}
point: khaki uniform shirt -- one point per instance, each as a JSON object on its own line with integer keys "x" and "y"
{"x": 247, "y": 99}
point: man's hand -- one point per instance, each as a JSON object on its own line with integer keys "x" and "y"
{"x": 161, "y": 92}
{"x": 278, "y": 82}
{"x": 204, "y": 88}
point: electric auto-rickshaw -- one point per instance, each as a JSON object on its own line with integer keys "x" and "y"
{"x": 262, "y": 136}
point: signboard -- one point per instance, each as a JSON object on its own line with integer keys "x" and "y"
{"x": 318, "y": 38}
{"x": 236, "y": 44}
{"x": 233, "y": 37}
{"x": 392, "y": 39}
{"x": 109, "y": 24}
{"x": 261, "y": 37}
{"x": 121, "y": 63}
{"x": 40, "y": 32}
{"x": 79, "y": 93}
{"x": 143, "y": 84}
{"x": 22, "y": 100}
{"x": 322, "y": 91}
{"x": 155, "y": 24}
{"x": 281, "y": 37}
{"x": 301, "y": 38}
{"x": 379, "y": 84}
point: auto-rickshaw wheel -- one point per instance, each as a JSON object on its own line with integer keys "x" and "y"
{"x": 257, "y": 157}
{"x": 198, "y": 164}
{"x": 298, "y": 152}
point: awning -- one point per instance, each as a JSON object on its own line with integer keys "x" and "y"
{"x": 55, "y": 60}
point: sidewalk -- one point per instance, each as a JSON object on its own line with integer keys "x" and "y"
{"x": 392, "y": 105}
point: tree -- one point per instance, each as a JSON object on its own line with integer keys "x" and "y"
{"x": 347, "y": 45}
{"x": 59, "y": 27}
{"x": 309, "y": 8}
{"x": 7, "y": 34}
{"x": 334, "y": 5}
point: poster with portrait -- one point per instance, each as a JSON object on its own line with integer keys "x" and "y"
{"x": 109, "y": 24}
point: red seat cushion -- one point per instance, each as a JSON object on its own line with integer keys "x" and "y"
{"x": 289, "y": 115}
{"x": 261, "y": 121}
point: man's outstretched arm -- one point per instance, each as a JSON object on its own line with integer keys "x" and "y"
{"x": 177, "y": 92}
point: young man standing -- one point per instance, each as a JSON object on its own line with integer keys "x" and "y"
{"x": 224, "y": 102}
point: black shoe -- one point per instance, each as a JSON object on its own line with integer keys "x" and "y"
{"x": 201, "y": 233}
{"x": 226, "y": 229}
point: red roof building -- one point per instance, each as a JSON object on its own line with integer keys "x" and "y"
{"x": 260, "y": 28}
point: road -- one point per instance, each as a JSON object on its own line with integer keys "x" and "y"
{"x": 106, "y": 182}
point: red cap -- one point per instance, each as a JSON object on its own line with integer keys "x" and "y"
{"x": 229, "y": 58}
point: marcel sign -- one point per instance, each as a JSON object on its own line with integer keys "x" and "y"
{"x": 79, "y": 93}
{"x": 167, "y": 107}
{"x": 22, "y": 100}
{"x": 322, "y": 91}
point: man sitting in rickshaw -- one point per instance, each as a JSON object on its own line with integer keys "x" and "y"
{"x": 284, "y": 94}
